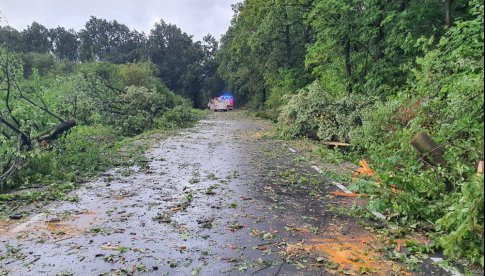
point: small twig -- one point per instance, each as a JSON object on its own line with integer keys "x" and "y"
{"x": 261, "y": 269}
{"x": 67, "y": 238}
{"x": 263, "y": 244}
{"x": 279, "y": 269}
{"x": 15, "y": 208}
{"x": 34, "y": 260}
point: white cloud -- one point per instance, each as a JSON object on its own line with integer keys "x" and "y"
{"x": 195, "y": 17}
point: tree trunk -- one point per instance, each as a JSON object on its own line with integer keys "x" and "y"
{"x": 58, "y": 131}
{"x": 381, "y": 34}
{"x": 348, "y": 66}
{"x": 287, "y": 40}
{"x": 480, "y": 167}
{"x": 448, "y": 15}
{"x": 432, "y": 153}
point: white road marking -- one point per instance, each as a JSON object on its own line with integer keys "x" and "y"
{"x": 317, "y": 169}
{"x": 291, "y": 149}
{"x": 342, "y": 187}
{"x": 451, "y": 270}
{"x": 347, "y": 191}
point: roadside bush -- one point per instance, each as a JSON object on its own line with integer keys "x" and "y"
{"x": 317, "y": 114}
{"x": 87, "y": 149}
{"x": 445, "y": 99}
{"x": 463, "y": 224}
{"x": 180, "y": 116}
{"x": 128, "y": 96}
{"x": 139, "y": 109}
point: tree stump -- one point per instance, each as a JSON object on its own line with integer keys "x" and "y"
{"x": 431, "y": 152}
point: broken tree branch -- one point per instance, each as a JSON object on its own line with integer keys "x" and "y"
{"x": 52, "y": 135}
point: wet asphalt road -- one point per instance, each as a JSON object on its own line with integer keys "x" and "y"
{"x": 215, "y": 199}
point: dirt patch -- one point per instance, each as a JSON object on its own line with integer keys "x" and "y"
{"x": 4, "y": 226}
{"x": 346, "y": 254}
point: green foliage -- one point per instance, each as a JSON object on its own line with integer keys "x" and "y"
{"x": 35, "y": 38}
{"x": 110, "y": 41}
{"x": 317, "y": 114}
{"x": 85, "y": 151}
{"x": 108, "y": 102}
{"x": 446, "y": 99}
{"x": 384, "y": 71}
{"x": 185, "y": 66}
{"x": 180, "y": 116}
{"x": 263, "y": 52}
{"x": 188, "y": 68}
{"x": 140, "y": 110}
{"x": 128, "y": 97}
{"x": 87, "y": 148}
{"x": 41, "y": 63}
{"x": 463, "y": 224}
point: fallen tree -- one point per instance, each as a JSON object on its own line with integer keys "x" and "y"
{"x": 13, "y": 127}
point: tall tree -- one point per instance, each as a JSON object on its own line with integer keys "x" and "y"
{"x": 110, "y": 41}
{"x": 172, "y": 51}
{"x": 212, "y": 84}
{"x": 9, "y": 38}
{"x": 65, "y": 43}
{"x": 35, "y": 39}
{"x": 265, "y": 46}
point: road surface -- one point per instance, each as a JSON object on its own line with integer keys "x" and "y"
{"x": 219, "y": 198}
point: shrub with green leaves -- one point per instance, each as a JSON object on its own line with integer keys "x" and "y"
{"x": 87, "y": 148}
{"x": 315, "y": 113}
{"x": 462, "y": 226}
{"x": 179, "y": 117}
{"x": 141, "y": 107}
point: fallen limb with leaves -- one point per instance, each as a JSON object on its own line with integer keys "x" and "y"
{"x": 16, "y": 128}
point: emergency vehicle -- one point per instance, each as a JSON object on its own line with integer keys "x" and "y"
{"x": 222, "y": 103}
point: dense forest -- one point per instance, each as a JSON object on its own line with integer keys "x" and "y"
{"x": 374, "y": 74}
{"x": 369, "y": 73}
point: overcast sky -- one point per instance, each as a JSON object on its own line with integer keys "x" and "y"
{"x": 195, "y": 17}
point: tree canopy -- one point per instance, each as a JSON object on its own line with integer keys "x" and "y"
{"x": 186, "y": 66}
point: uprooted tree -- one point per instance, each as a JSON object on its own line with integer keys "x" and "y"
{"x": 26, "y": 121}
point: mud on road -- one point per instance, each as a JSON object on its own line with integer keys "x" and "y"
{"x": 219, "y": 198}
